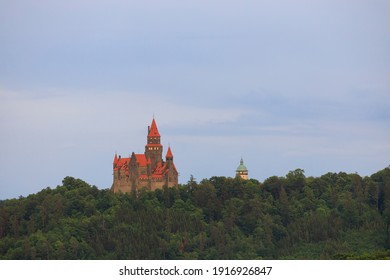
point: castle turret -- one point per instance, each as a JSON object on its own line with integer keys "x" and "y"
{"x": 170, "y": 169}
{"x": 242, "y": 171}
{"x": 169, "y": 155}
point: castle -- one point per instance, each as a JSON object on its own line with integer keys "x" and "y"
{"x": 147, "y": 170}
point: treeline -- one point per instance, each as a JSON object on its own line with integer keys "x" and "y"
{"x": 335, "y": 216}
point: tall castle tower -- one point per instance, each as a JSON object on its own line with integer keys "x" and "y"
{"x": 242, "y": 171}
{"x": 153, "y": 148}
{"x": 147, "y": 170}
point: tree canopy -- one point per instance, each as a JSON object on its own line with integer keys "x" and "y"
{"x": 334, "y": 216}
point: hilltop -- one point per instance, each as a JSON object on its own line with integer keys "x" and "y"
{"x": 334, "y": 216}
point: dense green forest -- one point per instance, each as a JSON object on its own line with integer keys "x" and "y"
{"x": 335, "y": 216}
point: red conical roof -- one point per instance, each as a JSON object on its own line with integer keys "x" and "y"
{"x": 169, "y": 153}
{"x": 153, "y": 131}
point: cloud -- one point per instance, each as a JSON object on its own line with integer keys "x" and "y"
{"x": 302, "y": 83}
{"x": 81, "y": 120}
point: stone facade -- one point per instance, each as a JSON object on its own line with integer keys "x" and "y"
{"x": 147, "y": 170}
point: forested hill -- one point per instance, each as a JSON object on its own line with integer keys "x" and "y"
{"x": 335, "y": 216}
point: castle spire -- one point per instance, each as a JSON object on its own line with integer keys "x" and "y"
{"x": 115, "y": 158}
{"x": 115, "y": 163}
{"x": 169, "y": 154}
{"x": 153, "y": 131}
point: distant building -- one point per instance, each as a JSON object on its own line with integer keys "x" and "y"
{"x": 242, "y": 171}
{"x": 147, "y": 170}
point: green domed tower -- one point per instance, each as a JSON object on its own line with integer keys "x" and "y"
{"x": 242, "y": 171}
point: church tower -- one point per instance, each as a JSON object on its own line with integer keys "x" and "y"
{"x": 242, "y": 171}
{"x": 153, "y": 148}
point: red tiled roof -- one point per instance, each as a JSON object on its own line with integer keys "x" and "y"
{"x": 121, "y": 163}
{"x": 159, "y": 169}
{"x": 141, "y": 159}
{"x": 153, "y": 131}
{"x": 158, "y": 173}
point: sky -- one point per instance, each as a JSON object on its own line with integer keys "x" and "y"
{"x": 283, "y": 84}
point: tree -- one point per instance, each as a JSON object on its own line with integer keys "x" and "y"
{"x": 284, "y": 207}
{"x": 333, "y": 216}
{"x": 295, "y": 179}
{"x": 372, "y": 192}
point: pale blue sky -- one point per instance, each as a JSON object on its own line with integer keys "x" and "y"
{"x": 284, "y": 84}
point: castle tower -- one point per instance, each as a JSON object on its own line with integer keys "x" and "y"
{"x": 153, "y": 148}
{"x": 169, "y": 157}
{"x": 171, "y": 175}
{"x": 242, "y": 171}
